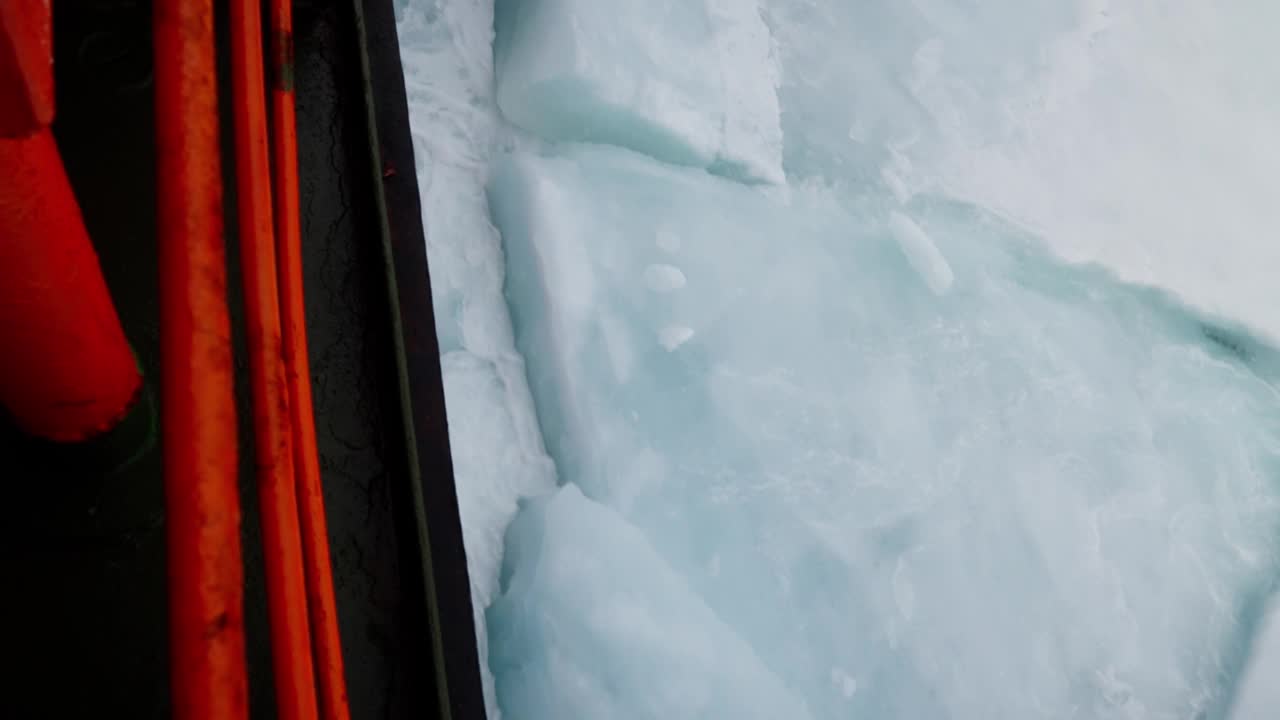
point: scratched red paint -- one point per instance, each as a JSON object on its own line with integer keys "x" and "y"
{"x": 330, "y": 675}
{"x": 206, "y": 615}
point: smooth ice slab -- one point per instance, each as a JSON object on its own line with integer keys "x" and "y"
{"x": 493, "y": 433}
{"x": 591, "y": 616}
{"x": 1258, "y": 696}
{"x": 1040, "y": 493}
{"x": 693, "y": 83}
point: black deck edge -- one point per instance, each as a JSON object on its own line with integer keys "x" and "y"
{"x": 446, "y": 583}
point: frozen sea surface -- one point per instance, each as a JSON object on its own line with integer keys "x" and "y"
{"x": 789, "y": 397}
{"x": 1027, "y": 491}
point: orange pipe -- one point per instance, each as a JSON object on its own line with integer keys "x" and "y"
{"x": 202, "y": 510}
{"x": 330, "y": 676}
{"x": 282, "y": 543}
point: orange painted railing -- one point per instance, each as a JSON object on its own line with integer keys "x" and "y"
{"x": 330, "y": 677}
{"x": 287, "y": 604}
{"x": 206, "y": 637}
{"x": 68, "y": 372}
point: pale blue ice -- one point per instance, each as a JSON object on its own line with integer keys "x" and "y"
{"x": 813, "y": 359}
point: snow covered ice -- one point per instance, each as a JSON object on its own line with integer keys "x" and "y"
{"x": 549, "y": 635}
{"x": 864, "y": 438}
{"x": 688, "y": 82}
{"x": 1042, "y": 490}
